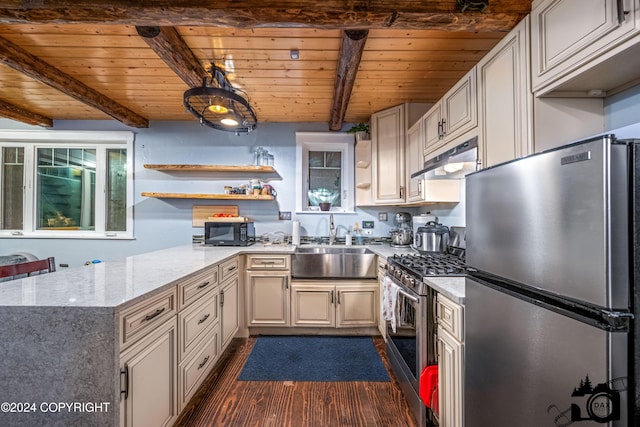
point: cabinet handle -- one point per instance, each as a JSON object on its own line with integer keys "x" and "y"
{"x": 444, "y": 127}
{"x": 125, "y": 372}
{"x": 204, "y": 362}
{"x": 204, "y": 285}
{"x": 440, "y": 129}
{"x": 221, "y": 298}
{"x": 420, "y": 186}
{"x": 204, "y": 319}
{"x": 232, "y": 268}
{"x": 286, "y": 282}
{"x": 402, "y": 191}
{"x": 621, "y": 11}
{"x": 154, "y": 314}
{"x": 338, "y": 296}
{"x": 331, "y": 297}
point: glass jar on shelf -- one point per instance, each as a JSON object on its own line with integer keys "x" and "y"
{"x": 259, "y": 156}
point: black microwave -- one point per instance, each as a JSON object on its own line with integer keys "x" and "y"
{"x": 229, "y": 233}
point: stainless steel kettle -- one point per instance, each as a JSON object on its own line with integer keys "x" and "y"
{"x": 432, "y": 237}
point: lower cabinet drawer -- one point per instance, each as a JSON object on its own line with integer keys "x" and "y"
{"x": 191, "y": 289}
{"x": 135, "y": 322}
{"x": 267, "y": 262}
{"x": 196, "y": 320}
{"x": 229, "y": 268}
{"x": 450, "y": 317}
{"x": 194, "y": 368}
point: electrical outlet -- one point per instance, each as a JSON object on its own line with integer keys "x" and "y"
{"x": 382, "y": 216}
{"x": 368, "y": 232}
{"x": 284, "y": 215}
{"x": 367, "y": 224}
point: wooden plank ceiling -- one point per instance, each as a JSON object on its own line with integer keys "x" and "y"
{"x": 100, "y": 60}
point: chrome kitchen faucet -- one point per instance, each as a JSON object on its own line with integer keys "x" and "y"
{"x": 332, "y": 230}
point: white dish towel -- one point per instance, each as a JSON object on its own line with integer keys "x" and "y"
{"x": 390, "y": 293}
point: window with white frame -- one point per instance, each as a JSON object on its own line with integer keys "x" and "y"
{"x": 325, "y": 172}
{"x": 66, "y": 184}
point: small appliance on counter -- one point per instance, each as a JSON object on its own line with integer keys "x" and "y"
{"x": 401, "y": 236}
{"x": 419, "y": 221}
{"x": 432, "y": 237}
{"x": 229, "y": 233}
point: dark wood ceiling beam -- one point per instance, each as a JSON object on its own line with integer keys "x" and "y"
{"x": 14, "y": 112}
{"x": 353, "y": 42}
{"x": 500, "y": 15}
{"x": 167, "y": 43}
{"x": 21, "y": 60}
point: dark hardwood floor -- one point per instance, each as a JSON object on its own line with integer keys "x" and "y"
{"x": 224, "y": 401}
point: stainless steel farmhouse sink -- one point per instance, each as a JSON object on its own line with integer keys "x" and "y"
{"x": 338, "y": 262}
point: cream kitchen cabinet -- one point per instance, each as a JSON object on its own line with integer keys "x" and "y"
{"x": 388, "y": 143}
{"x": 382, "y": 270}
{"x": 229, "y": 307}
{"x": 194, "y": 368}
{"x": 415, "y": 162}
{"x": 267, "y": 284}
{"x": 388, "y": 130}
{"x": 570, "y": 38}
{"x": 504, "y": 100}
{"x": 420, "y": 190}
{"x": 450, "y": 362}
{"x": 148, "y": 379}
{"x": 347, "y": 304}
{"x": 451, "y": 117}
{"x": 198, "y": 343}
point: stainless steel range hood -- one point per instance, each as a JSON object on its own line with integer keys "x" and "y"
{"x": 452, "y": 164}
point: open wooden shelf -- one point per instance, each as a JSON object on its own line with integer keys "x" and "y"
{"x": 206, "y": 196}
{"x": 213, "y": 168}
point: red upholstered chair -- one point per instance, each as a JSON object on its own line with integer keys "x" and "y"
{"x": 42, "y": 265}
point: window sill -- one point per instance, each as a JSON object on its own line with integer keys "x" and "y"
{"x": 64, "y": 235}
{"x": 324, "y": 212}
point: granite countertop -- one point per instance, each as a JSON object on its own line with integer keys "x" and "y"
{"x": 114, "y": 283}
{"x": 451, "y": 287}
{"x": 127, "y": 281}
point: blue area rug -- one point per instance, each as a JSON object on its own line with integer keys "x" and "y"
{"x": 314, "y": 358}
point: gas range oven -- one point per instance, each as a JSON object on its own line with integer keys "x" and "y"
{"x": 412, "y": 338}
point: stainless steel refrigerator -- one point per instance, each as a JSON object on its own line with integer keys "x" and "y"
{"x": 549, "y": 309}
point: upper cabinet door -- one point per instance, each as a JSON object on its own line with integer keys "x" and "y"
{"x": 454, "y": 115}
{"x": 414, "y": 162}
{"x": 460, "y": 109}
{"x": 432, "y": 129}
{"x": 504, "y": 100}
{"x": 569, "y": 34}
{"x": 388, "y": 129}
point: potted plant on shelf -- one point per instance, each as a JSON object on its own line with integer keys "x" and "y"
{"x": 361, "y": 131}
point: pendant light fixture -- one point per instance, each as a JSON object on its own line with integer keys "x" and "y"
{"x": 219, "y": 105}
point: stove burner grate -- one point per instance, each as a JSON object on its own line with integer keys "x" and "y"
{"x": 432, "y": 264}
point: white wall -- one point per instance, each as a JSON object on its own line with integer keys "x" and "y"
{"x": 623, "y": 109}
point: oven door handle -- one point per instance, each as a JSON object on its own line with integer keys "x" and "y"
{"x": 411, "y": 297}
